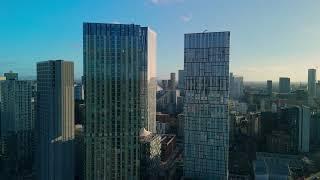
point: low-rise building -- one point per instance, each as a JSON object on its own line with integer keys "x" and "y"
{"x": 270, "y": 166}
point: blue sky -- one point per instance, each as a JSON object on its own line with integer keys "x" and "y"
{"x": 269, "y": 38}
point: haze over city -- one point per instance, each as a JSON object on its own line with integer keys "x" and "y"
{"x": 268, "y": 38}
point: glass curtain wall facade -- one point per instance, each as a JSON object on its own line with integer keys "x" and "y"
{"x": 55, "y": 120}
{"x": 120, "y": 89}
{"x": 312, "y": 78}
{"x": 206, "y": 127}
{"x": 17, "y": 129}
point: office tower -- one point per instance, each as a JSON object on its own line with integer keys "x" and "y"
{"x": 165, "y": 84}
{"x": 284, "y": 85}
{"x": 120, "y": 97}
{"x": 318, "y": 89}
{"x": 269, "y": 87}
{"x": 304, "y": 129}
{"x": 312, "y": 82}
{"x": 17, "y": 129}
{"x": 11, "y": 76}
{"x": 78, "y": 92}
{"x": 206, "y": 126}
{"x": 2, "y": 78}
{"x": 236, "y": 86}
{"x": 296, "y": 121}
{"x": 181, "y": 79}
{"x": 172, "y": 81}
{"x": 55, "y": 120}
{"x": 172, "y": 106}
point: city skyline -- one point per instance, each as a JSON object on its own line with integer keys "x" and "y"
{"x": 159, "y": 89}
{"x": 56, "y": 34}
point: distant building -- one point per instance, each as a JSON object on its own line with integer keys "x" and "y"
{"x": 162, "y": 127}
{"x": 11, "y": 76}
{"x": 279, "y": 142}
{"x": 163, "y": 123}
{"x": 315, "y": 128}
{"x": 236, "y": 86}
{"x": 304, "y": 129}
{"x": 206, "y": 125}
{"x": 78, "y": 92}
{"x": 318, "y": 89}
{"x": 172, "y": 81}
{"x": 168, "y": 145}
{"x": 150, "y": 154}
{"x": 79, "y": 152}
{"x": 296, "y": 120}
{"x": 312, "y": 78}
{"x": 284, "y": 85}
{"x": 17, "y": 128}
{"x": 180, "y": 104}
{"x": 164, "y": 84}
{"x": 240, "y": 107}
{"x": 180, "y": 126}
{"x": 55, "y": 120}
{"x": 167, "y": 98}
{"x": 167, "y": 103}
{"x": 274, "y": 107}
{"x": 181, "y": 79}
{"x": 269, "y": 87}
{"x": 2, "y": 78}
{"x": 275, "y": 166}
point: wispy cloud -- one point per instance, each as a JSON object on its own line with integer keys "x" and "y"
{"x": 186, "y": 18}
{"x": 159, "y": 2}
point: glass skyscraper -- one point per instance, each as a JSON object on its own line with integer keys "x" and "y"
{"x": 120, "y": 89}
{"x": 17, "y": 128}
{"x": 284, "y": 85}
{"x": 312, "y": 78}
{"x": 206, "y": 128}
{"x": 269, "y": 87}
{"x": 55, "y": 120}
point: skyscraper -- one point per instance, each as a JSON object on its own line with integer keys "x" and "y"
{"x": 312, "y": 82}
{"x": 296, "y": 120}
{"x": 318, "y": 89}
{"x": 17, "y": 128}
{"x": 236, "y": 86}
{"x": 269, "y": 87}
{"x": 11, "y": 76}
{"x": 78, "y": 92}
{"x": 172, "y": 81}
{"x": 304, "y": 129}
{"x": 2, "y": 78}
{"x": 55, "y": 116}
{"x": 206, "y": 126}
{"x": 181, "y": 79}
{"x": 120, "y": 89}
{"x": 284, "y": 85}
